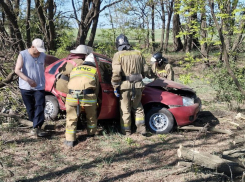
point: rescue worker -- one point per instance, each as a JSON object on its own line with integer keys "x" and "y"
{"x": 83, "y": 91}
{"x": 128, "y": 70}
{"x": 76, "y": 58}
{"x": 160, "y": 67}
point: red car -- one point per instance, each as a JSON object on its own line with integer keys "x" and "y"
{"x": 165, "y": 102}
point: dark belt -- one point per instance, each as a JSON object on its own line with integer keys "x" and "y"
{"x": 124, "y": 78}
{"x": 64, "y": 77}
{"x": 84, "y": 92}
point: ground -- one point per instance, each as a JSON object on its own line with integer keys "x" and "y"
{"x": 110, "y": 156}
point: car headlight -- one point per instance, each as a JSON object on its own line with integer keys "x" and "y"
{"x": 188, "y": 101}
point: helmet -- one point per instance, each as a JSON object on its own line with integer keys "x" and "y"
{"x": 122, "y": 42}
{"x": 158, "y": 58}
{"x": 89, "y": 60}
{"x": 82, "y": 49}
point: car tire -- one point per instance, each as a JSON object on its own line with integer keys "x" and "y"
{"x": 159, "y": 120}
{"x": 51, "y": 110}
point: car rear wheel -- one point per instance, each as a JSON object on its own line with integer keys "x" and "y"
{"x": 51, "y": 110}
{"x": 159, "y": 120}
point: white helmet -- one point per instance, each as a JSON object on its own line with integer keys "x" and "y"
{"x": 90, "y": 59}
{"x": 82, "y": 49}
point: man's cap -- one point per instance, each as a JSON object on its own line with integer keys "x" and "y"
{"x": 82, "y": 49}
{"x": 39, "y": 44}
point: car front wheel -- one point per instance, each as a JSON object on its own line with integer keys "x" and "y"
{"x": 159, "y": 120}
{"x": 51, "y": 110}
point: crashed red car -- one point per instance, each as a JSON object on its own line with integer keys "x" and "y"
{"x": 166, "y": 103}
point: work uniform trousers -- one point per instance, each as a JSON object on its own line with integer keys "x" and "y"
{"x": 127, "y": 106}
{"x": 71, "y": 120}
{"x": 34, "y": 101}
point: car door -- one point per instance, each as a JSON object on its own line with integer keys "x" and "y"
{"x": 108, "y": 103}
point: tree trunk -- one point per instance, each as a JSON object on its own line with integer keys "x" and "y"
{"x": 195, "y": 40}
{"x": 210, "y": 161}
{"x": 153, "y": 27}
{"x": 163, "y": 26}
{"x": 204, "y": 35}
{"x": 170, "y": 12}
{"x": 178, "y": 46}
{"x": 94, "y": 25}
{"x": 52, "y": 36}
{"x": 28, "y": 28}
{"x": 8, "y": 10}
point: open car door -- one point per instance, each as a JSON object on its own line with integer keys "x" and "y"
{"x": 108, "y": 102}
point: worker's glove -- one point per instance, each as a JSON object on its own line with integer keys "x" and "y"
{"x": 116, "y": 92}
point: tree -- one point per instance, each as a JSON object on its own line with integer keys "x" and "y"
{"x": 170, "y": 6}
{"x": 90, "y": 11}
{"x": 176, "y": 28}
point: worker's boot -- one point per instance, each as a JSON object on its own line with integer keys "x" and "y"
{"x": 141, "y": 129}
{"x": 69, "y": 144}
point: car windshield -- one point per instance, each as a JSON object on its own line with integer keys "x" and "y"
{"x": 54, "y": 68}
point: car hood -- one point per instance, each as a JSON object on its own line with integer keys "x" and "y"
{"x": 168, "y": 85}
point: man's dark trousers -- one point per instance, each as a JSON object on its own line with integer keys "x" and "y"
{"x": 34, "y": 101}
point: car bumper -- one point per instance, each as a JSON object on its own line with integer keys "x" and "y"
{"x": 186, "y": 114}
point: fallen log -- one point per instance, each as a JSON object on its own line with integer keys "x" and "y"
{"x": 212, "y": 129}
{"x": 19, "y": 119}
{"x": 184, "y": 164}
{"x": 237, "y": 141}
{"x": 230, "y": 152}
{"x": 210, "y": 161}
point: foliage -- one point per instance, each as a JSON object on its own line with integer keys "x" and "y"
{"x": 189, "y": 62}
{"x": 223, "y": 83}
{"x": 65, "y": 39}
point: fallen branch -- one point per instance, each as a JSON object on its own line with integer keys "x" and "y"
{"x": 210, "y": 161}
{"x": 229, "y": 152}
{"x": 212, "y": 129}
{"x": 237, "y": 141}
{"x": 18, "y": 118}
{"x": 184, "y": 164}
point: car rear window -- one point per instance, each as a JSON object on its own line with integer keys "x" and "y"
{"x": 55, "y": 67}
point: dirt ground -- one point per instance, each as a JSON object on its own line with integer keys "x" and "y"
{"x": 110, "y": 156}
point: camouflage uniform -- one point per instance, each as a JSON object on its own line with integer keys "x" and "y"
{"x": 126, "y": 63}
{"x": 83, "y": 78}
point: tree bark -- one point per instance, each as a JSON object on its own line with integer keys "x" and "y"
{"x": 153, "y": 27}
{"x": 170, "y": 12}
{"x": 163, "y": 26}
{"x": 12, "y": 18}
{"x": 178, "y": 46}
{"x": 210, "y": 161}
{"x": 94, "y": 25}
{"x": 208, "y": 129}
{"x": 20, "y": 120}
{"x": 52, "y": 35}
{"x": 28, "y": 28}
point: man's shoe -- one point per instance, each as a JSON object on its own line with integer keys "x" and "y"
{"x": 33, "y": 131}
{"x": 42, "y": 133}
{"x": 69, "y": 143}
